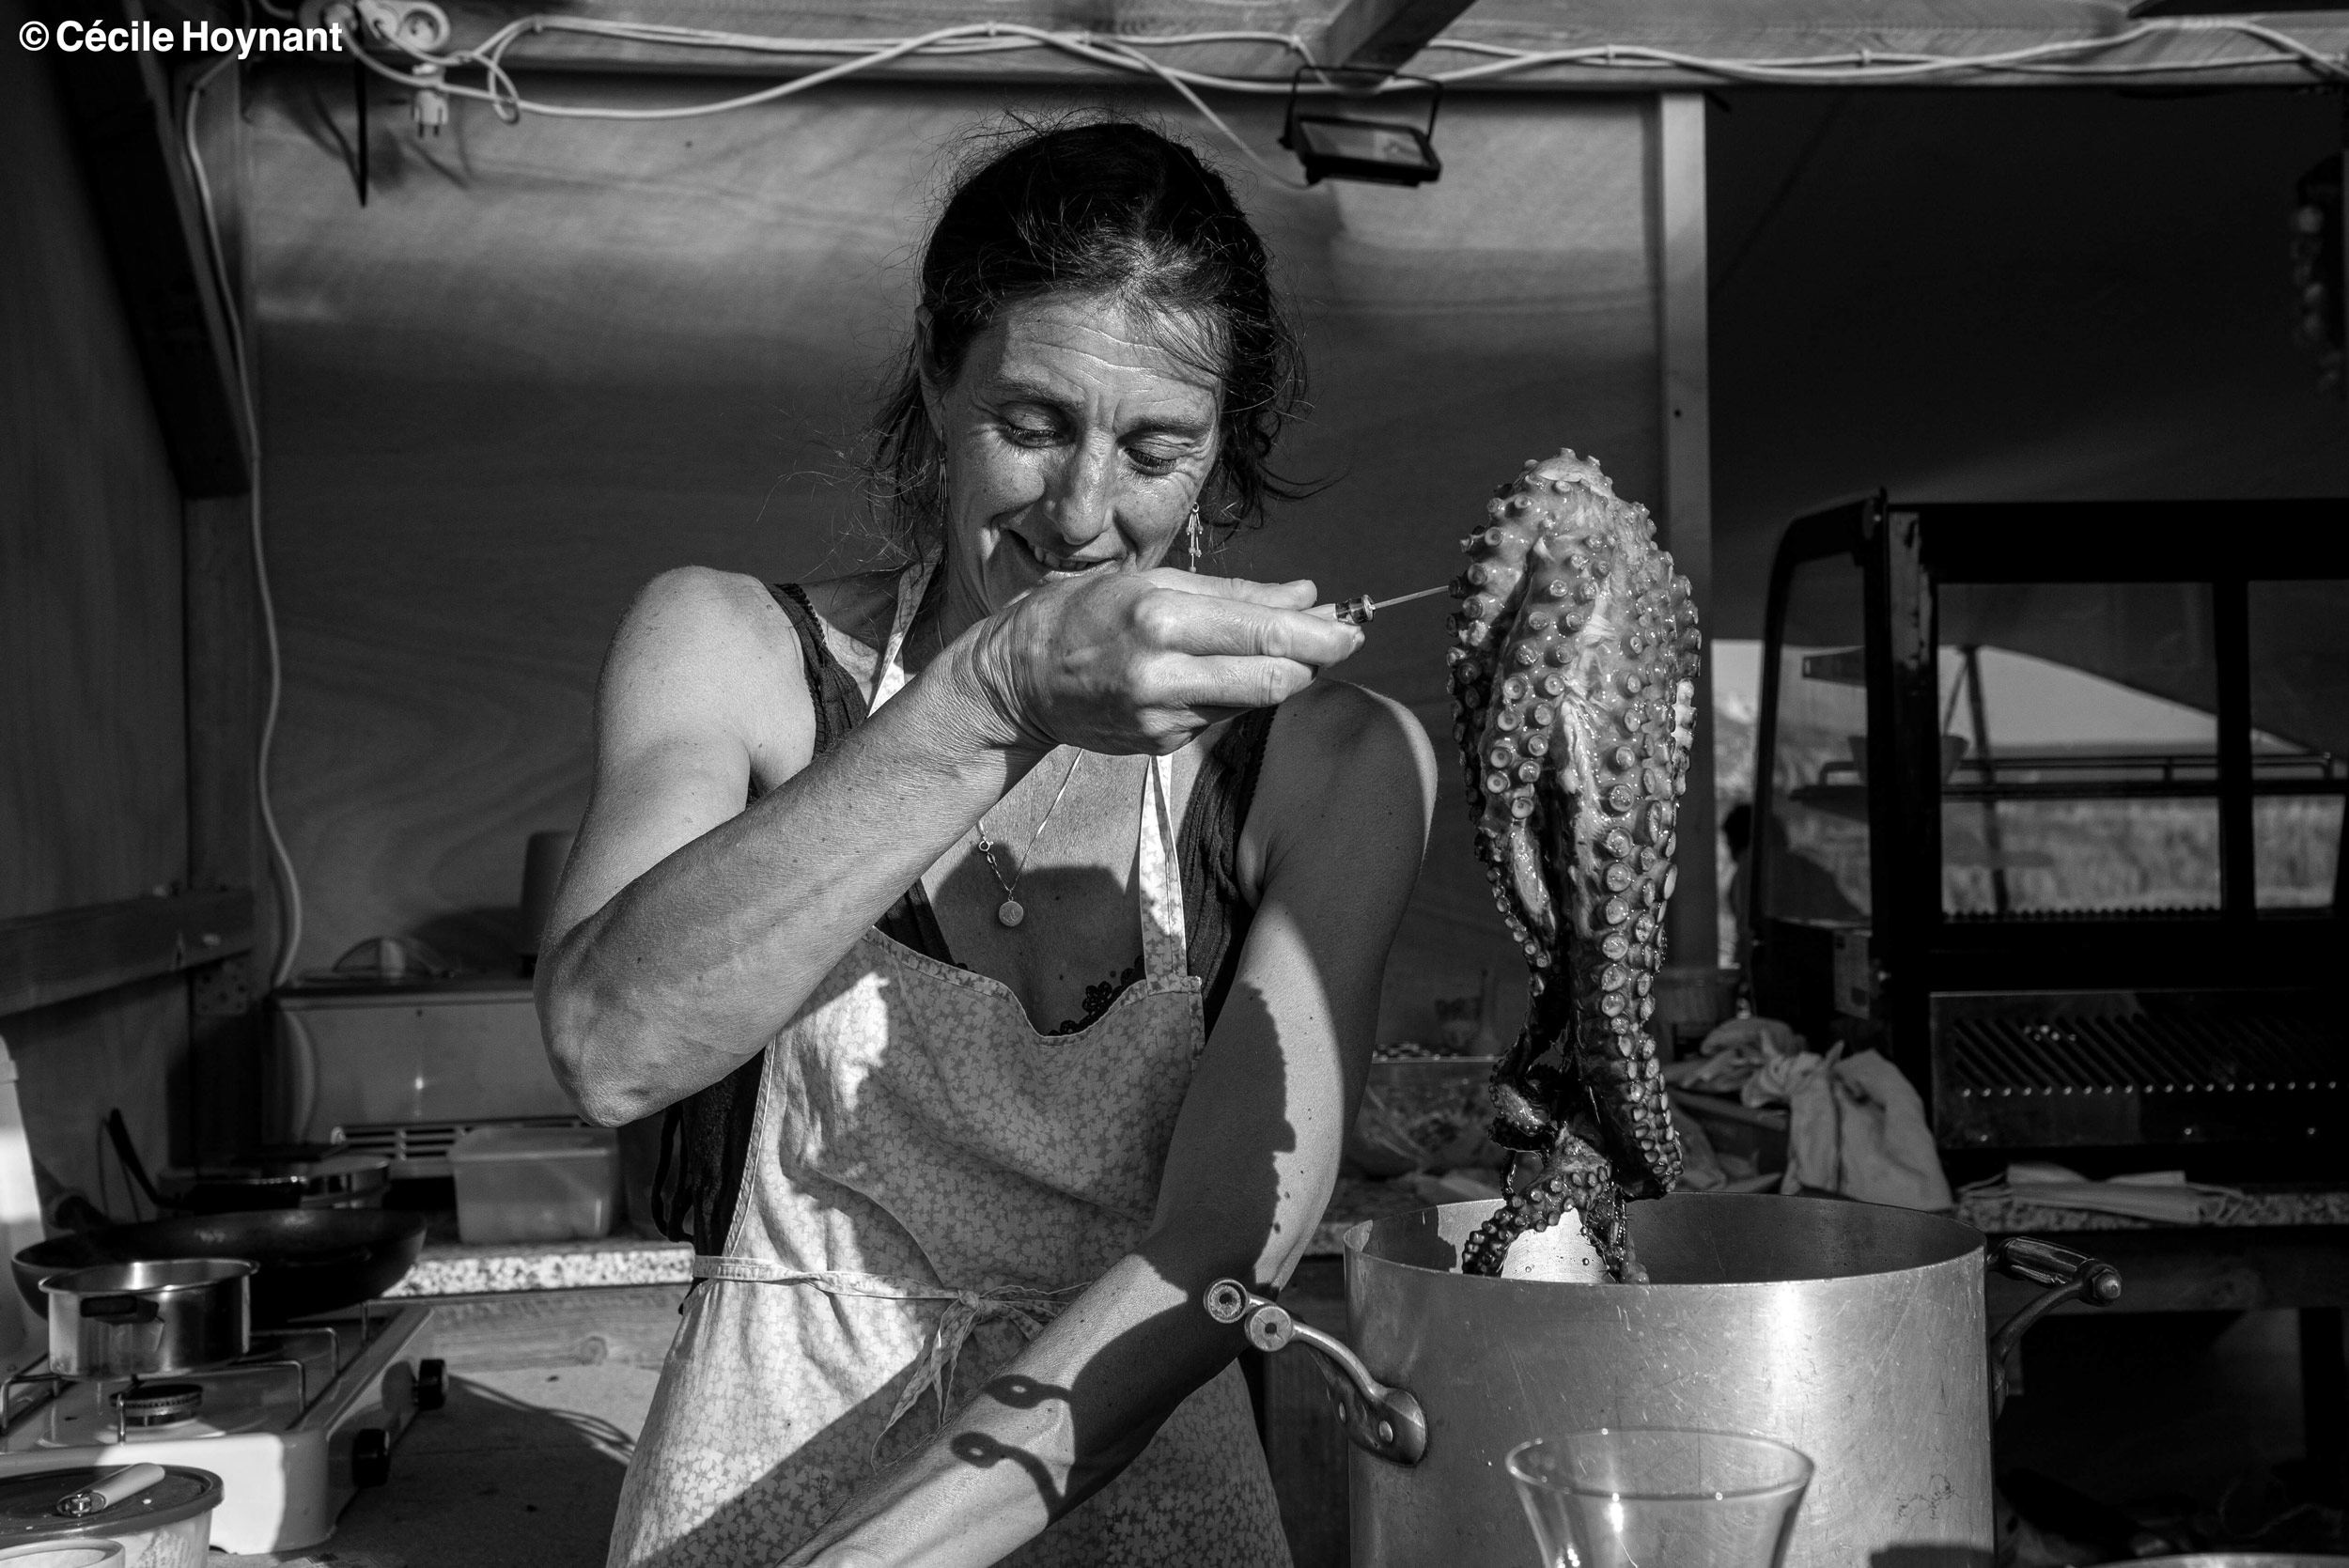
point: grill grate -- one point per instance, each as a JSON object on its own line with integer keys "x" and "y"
{"x": 421, "y": 1148}
{"x": 2142, "y": 1053}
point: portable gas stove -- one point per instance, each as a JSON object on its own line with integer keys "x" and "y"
{"x": 293, "y": 1429}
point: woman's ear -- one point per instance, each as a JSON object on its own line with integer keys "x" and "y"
{"x": 933, "y": 392}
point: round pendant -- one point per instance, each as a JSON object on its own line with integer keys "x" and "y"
{"x": 1009, "y": 912}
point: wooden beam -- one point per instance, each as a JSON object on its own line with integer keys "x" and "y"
{"x": 222, "y": 1114}
{"x": 1676, "y": 198}
{"x": 78, "y": 952}
{"x": 1383, "y": 34}
{"x": 118, "y": 114}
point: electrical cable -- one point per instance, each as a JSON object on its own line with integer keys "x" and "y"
{"x": 281, "y": 860}
{"x": 1124, "y": 54}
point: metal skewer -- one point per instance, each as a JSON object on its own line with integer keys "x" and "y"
{"x": 1358, "y": 610}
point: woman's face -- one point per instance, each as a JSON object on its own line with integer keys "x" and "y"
{"x": 1075, "y": 441}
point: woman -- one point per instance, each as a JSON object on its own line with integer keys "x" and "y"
{"x": 948, "y": 1263}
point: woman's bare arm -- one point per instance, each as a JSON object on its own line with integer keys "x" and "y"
{"x": 1254, "y": 1161}
{"x": 689, "y": 929}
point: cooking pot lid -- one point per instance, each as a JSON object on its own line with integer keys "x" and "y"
{"x": 28, "y": 1503}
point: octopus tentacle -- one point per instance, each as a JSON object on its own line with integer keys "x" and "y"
{"x": 1574, "y": 679}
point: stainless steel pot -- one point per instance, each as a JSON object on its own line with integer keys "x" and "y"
{"x": 147, "y": 1319}
{"x": 1850, "y": 1330}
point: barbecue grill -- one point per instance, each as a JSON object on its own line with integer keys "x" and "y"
{"x": 2048, "y": 808}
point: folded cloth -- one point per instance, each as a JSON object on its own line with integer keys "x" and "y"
{"x": 1732, "y": 1053}
{"x": 1774, "y": 1084}
{"x": 2163, "y": 1196}
{"x": 1856, "y": 1127}
{"x": 1766, "y": 1036}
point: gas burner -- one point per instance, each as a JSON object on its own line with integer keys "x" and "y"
{"x": 292, "y": 1429}
{"x": 147, "y": 1404}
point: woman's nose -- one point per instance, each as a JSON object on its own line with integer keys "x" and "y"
{"x": 1081, "y": 501}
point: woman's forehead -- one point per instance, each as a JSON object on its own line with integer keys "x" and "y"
{"x": 1079, "y": 344}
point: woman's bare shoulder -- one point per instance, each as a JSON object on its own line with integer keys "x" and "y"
{"x": 1338, "y": 759}
{"x": 703, "y": 652}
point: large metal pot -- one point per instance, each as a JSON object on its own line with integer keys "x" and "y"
{"x": 146, "y": 1319}
{"x": 1850, "y": 1330}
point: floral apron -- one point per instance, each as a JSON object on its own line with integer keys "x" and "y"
{"x": 932, "y": 1181}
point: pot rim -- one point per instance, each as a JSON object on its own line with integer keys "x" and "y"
{"x": 204, "y": 1274}
{"x": 1354, "y": 1242}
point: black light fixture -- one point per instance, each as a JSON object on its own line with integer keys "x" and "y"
{"x": 1350, "y": 146}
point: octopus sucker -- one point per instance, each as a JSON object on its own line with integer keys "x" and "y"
{"x": 1573, "y": 678}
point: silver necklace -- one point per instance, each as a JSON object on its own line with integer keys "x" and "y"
{"x": 1010, "y": 911}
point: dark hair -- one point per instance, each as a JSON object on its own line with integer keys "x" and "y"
{"x": 1737, "y": 827}
{"x": 1113, "y": 209}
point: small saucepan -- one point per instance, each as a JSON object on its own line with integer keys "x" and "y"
{"x": 148, "y": 1319}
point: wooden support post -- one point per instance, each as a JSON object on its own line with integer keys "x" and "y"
{"x": 218, "y": 1115}
{"x": 1383, "y": 34}
{"x": 117, "y": 113}
{"x": 1676, "y": 198}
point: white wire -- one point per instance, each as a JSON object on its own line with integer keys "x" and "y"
{"x": 1123, "y": 54}
{"x": 281, "y": 861}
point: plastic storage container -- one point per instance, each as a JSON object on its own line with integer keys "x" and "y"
{"x": 536, "y": 1183}
{"x": 168, "y": 1524}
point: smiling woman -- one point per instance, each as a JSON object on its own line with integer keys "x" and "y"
{"x": 851, "y": 843}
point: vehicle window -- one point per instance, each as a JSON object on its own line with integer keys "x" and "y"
{"x": 2079, "y": 749}
{"x": 1815, "y": 859}
{"x": 2299, "y": 743}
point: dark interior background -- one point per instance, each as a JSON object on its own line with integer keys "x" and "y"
{"x": 2003, "y": 295}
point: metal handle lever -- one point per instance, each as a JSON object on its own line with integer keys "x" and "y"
{"x": 2070, "y": 1276}
{"x": 1380, "y": 1420}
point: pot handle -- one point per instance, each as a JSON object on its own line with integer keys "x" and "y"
{"x": 120, "y": 1308}
{"x": 2069, "y": 1276}
{"x": 1380, "y": 1420}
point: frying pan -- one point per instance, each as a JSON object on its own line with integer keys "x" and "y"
{"x": 309, "y": 1259}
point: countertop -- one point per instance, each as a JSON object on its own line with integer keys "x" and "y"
{"x": 454, "y": 1268}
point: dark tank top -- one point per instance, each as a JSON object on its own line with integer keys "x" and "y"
{"x": 706, "y": 1138}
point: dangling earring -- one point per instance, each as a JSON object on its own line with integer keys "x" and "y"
{"x": 1191, "y": 535}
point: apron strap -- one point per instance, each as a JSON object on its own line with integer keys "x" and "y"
{"x": 1024, "y": 1306}
{"x": 912, "y": 584}
{"x": 1165, "y": 946}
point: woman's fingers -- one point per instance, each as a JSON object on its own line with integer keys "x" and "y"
{"x": 1285, "y": 596}
{"x": 1232, "y": 682}
{"x": 1209, "y": 625}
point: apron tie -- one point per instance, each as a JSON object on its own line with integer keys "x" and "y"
{"x": 1025, "y": 1307}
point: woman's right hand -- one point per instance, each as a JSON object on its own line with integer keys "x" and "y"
{"x": 1143, "y": 661}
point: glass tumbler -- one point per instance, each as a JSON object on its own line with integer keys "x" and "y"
{"x": 1659, "y": 1498}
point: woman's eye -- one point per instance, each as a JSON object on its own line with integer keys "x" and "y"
{"x": 1032, "y": 435}
{"x": 1151, "y": 461}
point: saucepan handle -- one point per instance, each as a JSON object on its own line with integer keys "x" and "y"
{"x": 1379, "y": 1420}
{"x": 2069, "y": 1276}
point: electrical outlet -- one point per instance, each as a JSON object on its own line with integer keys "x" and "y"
{"x": 417, "y": 25}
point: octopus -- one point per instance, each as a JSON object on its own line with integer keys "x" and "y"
{"x": 1573, "y": 675}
